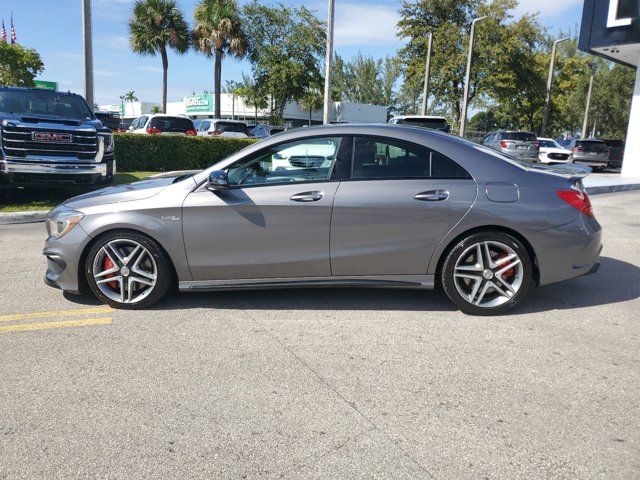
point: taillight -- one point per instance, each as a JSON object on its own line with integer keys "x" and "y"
{"x": 535, "y": 144}
{"x": 191, "y": 132}
{"x": 215, "y": 132}
{"x": 505, "y": 144}
{"x": 153, "y": 131}
{"x": 577, "y": 149}
{"x": 578, "y": 200}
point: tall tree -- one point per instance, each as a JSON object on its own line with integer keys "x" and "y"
{"x": 19, "y": 66}
{"x": 156, "y": 26}
{"x": 130, "y": 96}
{"x": 252, "y": 94}
{"x": 312, "y": 100}
{"x": 286, "y": 48}
{"x": 218, "y": 32}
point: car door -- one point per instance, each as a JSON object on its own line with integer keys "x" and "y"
{"x": 399, "y": 202}
{"x": 273, "y": 221}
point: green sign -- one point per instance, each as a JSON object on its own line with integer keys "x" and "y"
{"x": 199, "y": 103}
{"x": 46, "y": 85}
{"x": 117, "y": 108}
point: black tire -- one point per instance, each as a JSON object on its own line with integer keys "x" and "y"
{"x": 448, "y": 267}
{"x": 165, "y": 277}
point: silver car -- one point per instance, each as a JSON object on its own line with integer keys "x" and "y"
{"x": 343, "y": 205}
{"x": 589, "y": 151}
{"x": 522, "y": 145}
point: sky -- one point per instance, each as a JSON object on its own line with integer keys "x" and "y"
{"x": 54, "y": 29}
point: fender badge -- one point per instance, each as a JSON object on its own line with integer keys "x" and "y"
{"x": 171, "y": 218}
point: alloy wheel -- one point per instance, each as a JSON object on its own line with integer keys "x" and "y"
{"x": 125, "y": 271}
{"x": 488, "y": 274}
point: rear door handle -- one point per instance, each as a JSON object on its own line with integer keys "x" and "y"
{"x": 432, "y": 196}
{"x": 307, "y": 196}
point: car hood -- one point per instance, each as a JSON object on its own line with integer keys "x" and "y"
{"x": 120, "y": 193}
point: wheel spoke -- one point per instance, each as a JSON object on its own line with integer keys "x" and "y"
{"x": 505, "y": 283}
{"x": 108, "y": 280}
{"x": 498, "y": 289}
{"x": 488, "y": 255}
{"x": 113, "y": 269}
{"x": 110, "y": 249}
{"x": 503, "y": 260}
{"x": 468, "y": 276}
{"x": 470, "y": 268}
{"x": 479, "y": 259}
{"x": 508, "y": 267}
{"x": 141, "y": 280}
{"x": 133, "y": 253}
{"x": 485, "y": 287}
{"x": 474, "y": 290}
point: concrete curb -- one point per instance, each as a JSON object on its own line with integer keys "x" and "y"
{"x": 23, "y": 217}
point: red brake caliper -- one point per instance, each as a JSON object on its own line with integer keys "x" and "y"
{"x": 506, "y": 273}
{"x": 108, "y": 265}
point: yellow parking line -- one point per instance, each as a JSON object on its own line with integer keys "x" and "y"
{"x": 47, "y": 325}
{"x": 55, "y": 313}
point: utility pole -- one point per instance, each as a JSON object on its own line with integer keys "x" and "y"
{"x": 593, "y": 67}
{"x": 328, "y": 62}
{"x": 467, "y": 80}
{"x": 547, "y": 101}
{"x": 88, "y": 52}
{"x": 427, "y": 71}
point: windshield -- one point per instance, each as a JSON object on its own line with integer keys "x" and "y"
{"x": 549, "y": 144}
{"x": 43, "y": 102}
{"x": 433, "y": 123}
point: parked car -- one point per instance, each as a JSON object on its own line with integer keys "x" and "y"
{"x": 196, "y": 124}
{"x": 389, "y": 206}
{"x": 589, "y": 151}
{"x": 264, "y": 131}
{"x": 224, "y": 128}
{"x": 110, "y": 120}
{"x": 162, "y": 124}
{"x": 432, "y": 122}
{"x": 50, "y": 139}
{"x": 519, "y": 144}
{"x": 616, "y": 152}
{"x": 552, "y": 152}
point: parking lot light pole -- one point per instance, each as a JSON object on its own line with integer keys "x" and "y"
{"x": 547, "y": 101}
{"x": 467, "y": 80}
{"x": 329, "y": 63}
{"x": 88, "y": 52}
{"x": 427, "y": 71}
{"x": 593, "y": 67}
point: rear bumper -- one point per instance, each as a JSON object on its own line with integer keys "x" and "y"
{"x": 592, "y": 162}
{"x": 13, "y": 172}
{"x": 568, "y": 251}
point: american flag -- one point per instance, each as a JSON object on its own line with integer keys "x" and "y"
{"x": 14, "y": 39}
{"x": 4, "y": 33}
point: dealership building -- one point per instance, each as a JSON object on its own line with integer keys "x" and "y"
{"x": 232, "y": 106}
{"x": 611, "y": 29}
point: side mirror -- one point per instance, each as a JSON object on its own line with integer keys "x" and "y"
{"x": 218, "y": 180}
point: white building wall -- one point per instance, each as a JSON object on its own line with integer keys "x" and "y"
{"x": 631, "y": 163}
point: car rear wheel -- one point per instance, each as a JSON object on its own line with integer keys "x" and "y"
{"x": 128, "y": 270}
{"x": 487, "y": 273}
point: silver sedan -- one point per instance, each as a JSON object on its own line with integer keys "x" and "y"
{"x": 343, "y": 205}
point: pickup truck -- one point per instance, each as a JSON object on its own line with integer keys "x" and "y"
{"x": 52, "y": 139}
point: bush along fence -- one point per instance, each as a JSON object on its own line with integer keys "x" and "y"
{"x": 163, "y": 153}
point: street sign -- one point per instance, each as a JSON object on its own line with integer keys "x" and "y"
{"x": 199, "y": 103}
{"x": 46, "y": 85}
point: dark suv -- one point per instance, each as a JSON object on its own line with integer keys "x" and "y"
{"x": 589, "y": 151}
{"x": 53, "y": 139}
{"x": 616, "y": 152}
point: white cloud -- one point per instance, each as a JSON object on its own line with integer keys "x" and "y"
{"x": 148, "y": 68}
{"x": 546, "y": 8}
{"x": 365, "y": 24}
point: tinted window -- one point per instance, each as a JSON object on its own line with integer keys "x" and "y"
{"x": 231, "y": 127}
{"x": 521, "y": 136}
{"x": 306, "y": 160}
{"x": 385, "y": 158}
{"x": 171, "y": 124}
{"x": 43, "y": 102}
{"x": 592, "y": 146}
{"x": 433, "y": 123}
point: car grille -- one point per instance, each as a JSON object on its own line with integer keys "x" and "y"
{"x": 18, "y": 141}
{"x": 558, "y": 156}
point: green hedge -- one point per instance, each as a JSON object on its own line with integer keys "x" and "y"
{"x": 163, "y": 153}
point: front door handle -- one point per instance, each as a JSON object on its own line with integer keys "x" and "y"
{"x": 307, "y": 196}
{"x": 432, "y": 196}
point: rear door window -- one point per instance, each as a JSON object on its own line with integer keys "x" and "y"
{"x": 591, "y": 146}
{"x": 231, "y": 127}
{"x": 171, "y": 124}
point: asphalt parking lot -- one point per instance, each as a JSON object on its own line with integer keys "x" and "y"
{"x": 323, "y": 383}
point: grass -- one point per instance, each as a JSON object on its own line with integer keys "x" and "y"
{"x": 32, "y": 199}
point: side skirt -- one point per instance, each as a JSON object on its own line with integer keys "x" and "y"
{"x": 379, "y": 281}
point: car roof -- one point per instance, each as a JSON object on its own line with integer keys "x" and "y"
{"x": 425, "y": 117}
{"x": 34, "y": 89}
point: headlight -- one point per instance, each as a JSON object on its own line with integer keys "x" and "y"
{"x": 107, "y": 139}
{"x": 62, "y": 222}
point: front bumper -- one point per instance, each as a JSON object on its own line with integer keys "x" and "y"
{"x": 568, "y": 251}
{"x": 21, "y": 173}
{"x": 64, "y": 258}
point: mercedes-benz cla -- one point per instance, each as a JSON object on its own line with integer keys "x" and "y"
{"x": 376, "y": 205}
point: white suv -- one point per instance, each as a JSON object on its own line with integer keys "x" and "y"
{"x": 162, "y": 124}
{"x": 223, "y": 128}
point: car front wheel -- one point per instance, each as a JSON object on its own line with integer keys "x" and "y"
{"x": 128, "y": 270}
{"x": 487, "y": 273}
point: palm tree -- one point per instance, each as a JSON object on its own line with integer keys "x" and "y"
{"x": 218, "y": 32}
{"x": 155, "y": 26}
{"x": 130, "y": 96}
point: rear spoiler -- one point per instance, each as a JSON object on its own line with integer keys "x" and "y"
{"x": 573, "y": 172}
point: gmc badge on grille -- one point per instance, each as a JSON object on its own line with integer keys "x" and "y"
{"x": 52, "y": 137}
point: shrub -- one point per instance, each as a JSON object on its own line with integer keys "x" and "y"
{"x": 163, "y": 153}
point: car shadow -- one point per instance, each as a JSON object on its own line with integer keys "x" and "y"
{"x": 615, "y": 282}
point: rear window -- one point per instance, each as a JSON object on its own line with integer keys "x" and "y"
{"x": 520, "y": 136}
{"x": 171, "y": 124}
{"x": 231, "y": 127}
{"x": 592, "y": 146}
{"x": 615, "y": 143}
{"x": 433, "y": 123}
